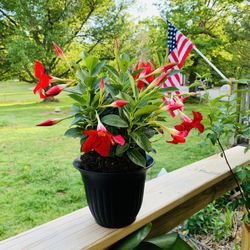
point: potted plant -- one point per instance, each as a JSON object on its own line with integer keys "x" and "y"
{"x": 225, "y": 127}
{"x": 116, "y": 111}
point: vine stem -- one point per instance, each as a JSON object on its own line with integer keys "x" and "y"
{"x": 233, "y": 174}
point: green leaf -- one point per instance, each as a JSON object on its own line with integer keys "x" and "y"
{"x": 120, "y": 150}
{"x": 217, "y": 99}
{"x": 147, "y": 246}
{"x": 90, "y": 81}
{"x": 149, "y": 132}
{"x": 76, "y": 120}
{"x": 133, "y": 86}
{"x": 74, "y": 132}
{"x": 172, "y": 72}
{"x": 171, "y": 241}
{"x": 212, "y": 137}
{"x": 125, "y": 97}
{"x": 73, "y": 91}
{"x": 169, "y": 89}
{"x": 75, "y": 108}
{"x": 112, "y": 71}
{"x": 195, "y": 84}
{"x": 135, "y": 156}
{"x": 142, "y": 141}
{"x": 115, "y": 121}
{"x": 98, "y": 68}
{"x": 90, "y": 62}
{"x": 145, "y": 110}
{"x": 76, "y": 97}
{"x": 133, "y": 240}
{"x": 86, "y": 98}
{"x": 81, "y": 74}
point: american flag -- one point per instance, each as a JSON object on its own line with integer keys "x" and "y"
{"x": 178, "y": 49}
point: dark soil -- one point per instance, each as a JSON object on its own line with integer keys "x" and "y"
{"x": 94, "y": 162}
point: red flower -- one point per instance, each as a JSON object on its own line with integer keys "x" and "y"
{"x": 100, "y": 140}
{"x": 188, "y": 124}
{"x": 118, "y": 103}
{"x": 174, "y": 105}
{"x": 197, "y": 121}
{"x": 177, "y": 139}
{"x": 55, "y": 90}
{"x": 58, "y": 50}
{"x": 146, "y": 70}
{"x": 178, "y": 136}
{"x": 49, "y": 122}
{"x": 44, "y": 79}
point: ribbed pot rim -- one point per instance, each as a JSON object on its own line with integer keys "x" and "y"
{"x": 150, "y": 163}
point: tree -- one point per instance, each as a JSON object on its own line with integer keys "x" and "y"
{"x": 29, "y": 27}
{"x": 204, "y": 22}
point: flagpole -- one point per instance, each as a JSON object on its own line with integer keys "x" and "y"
{"x": 211, "y": 64}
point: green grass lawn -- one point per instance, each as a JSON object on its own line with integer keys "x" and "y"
{"x": 38, "y": 182}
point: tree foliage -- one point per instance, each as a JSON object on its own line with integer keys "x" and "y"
{"x": 29, "y": 27}
{"x": 218, "y": 28}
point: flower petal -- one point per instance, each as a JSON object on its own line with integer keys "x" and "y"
{"x": 39, "y": 69}
{"x": 119, "y": 139}
{"x": 177, "y": 139}
{"x": 197, "y": 116}
{"x": 88, "y": 145}
{"x": 103, "y": 146}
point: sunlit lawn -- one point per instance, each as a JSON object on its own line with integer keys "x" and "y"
{"x": 38, "y": 182}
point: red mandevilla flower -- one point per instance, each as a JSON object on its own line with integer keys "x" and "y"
{"x": 177, "y": 139}
{"x": 100, "y": 140}
{"x": 178, "y": 136}
{"x": 44, "y": 79}
{"x": 174, "y": 105}
{"x": 55, "y": 90}
{"x": 146, "y": 70}
{"x": 188, "y": 124}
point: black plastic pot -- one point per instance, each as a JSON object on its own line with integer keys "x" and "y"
{"x": 114, "y": 199}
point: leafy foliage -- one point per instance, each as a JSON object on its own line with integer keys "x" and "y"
{"x": 137, "y": 241}
{"x": 28, "y": 29}
{"x": 243, "y": 173}
{"x": 213, "y": 220}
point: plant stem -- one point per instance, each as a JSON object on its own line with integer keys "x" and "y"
{"x": 235, "y": 178}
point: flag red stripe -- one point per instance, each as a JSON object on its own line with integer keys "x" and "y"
{"x": 179, "y": 36}
{"x": 182, "y": 46}
{"x": 190, "y": 47}
{"x": 178, "y": 78}
{"x": 174, "y": 57}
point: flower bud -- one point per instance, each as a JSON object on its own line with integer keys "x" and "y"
{"x": 58, "y": 50}
{"x": 101, "y": 84}
{"x": 49, "y": 122}
{"x": 56, "y": 90}
{"x": 118, "y": 103}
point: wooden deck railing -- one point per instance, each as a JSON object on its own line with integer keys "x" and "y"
{"x": 168, "y": 201}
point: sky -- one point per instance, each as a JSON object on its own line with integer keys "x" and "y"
{"x": 143, "y": 9}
